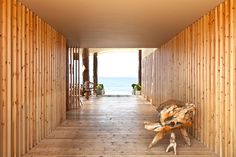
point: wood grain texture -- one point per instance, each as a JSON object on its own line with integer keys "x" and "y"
{"x": 24, "y": 50}
{"x": 198, "y": 65}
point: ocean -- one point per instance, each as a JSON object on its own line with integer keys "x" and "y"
{"x": 117, "y": 85}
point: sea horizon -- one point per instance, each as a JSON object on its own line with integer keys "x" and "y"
{"x": 117, "y": 85}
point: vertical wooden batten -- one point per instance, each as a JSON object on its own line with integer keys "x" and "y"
{"x": 3, "y": 78}
{"x": 8, "y": 79}
{"x": 14, "y": 79}
{"x": 232, "y": 77}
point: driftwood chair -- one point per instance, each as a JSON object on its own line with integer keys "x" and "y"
{"x": 88, "y": 88}
{"x": 172, "y": 115}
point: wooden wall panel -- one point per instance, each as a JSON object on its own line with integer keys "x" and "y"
{"x": 33, "y": 79}
{"x": 198, "y": 65}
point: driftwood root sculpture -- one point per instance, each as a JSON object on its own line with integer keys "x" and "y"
{"x": 172, "y": 117}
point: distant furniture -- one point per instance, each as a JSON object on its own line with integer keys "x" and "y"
{"x": 87, "y": 89}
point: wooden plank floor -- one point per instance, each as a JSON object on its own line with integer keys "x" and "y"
{"x": 111, "y": 126}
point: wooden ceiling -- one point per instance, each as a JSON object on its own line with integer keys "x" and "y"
{"x": 120, "y": 23}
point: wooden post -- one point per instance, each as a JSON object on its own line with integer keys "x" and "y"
{"x": 71, "y": 75}
{"x": 78, "y": 77}
{"x": 73, "y": 78}
{"x": 95, "y": 68}
{"x": 85, "y": 56}
{"x": 140, "y": 67}
{"x": 67, "y": 77}
{"x": 76, "y": 73}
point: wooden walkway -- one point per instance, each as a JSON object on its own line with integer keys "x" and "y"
{"x": 111, "y": 126}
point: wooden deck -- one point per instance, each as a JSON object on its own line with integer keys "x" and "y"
{"x": 111, "y": 126}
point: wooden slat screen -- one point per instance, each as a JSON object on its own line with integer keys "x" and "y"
{"x": 73, "y": 78}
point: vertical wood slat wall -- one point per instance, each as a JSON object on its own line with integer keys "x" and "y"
{"x": 73, "y": 78}
{"x": 33, "y": 79}
{"x": 198, "y": 65}
{"x": 147, "y": 63}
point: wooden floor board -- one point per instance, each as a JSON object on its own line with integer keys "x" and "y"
{"x": 111, "y": 126}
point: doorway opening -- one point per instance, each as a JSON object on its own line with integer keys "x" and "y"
{"x": 118, "y": 70}
{"x": 103, "y": 72}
